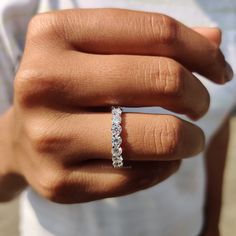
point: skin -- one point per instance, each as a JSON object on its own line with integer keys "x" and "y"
{"x": 217, "y": 149}
{"x": 76, "y": 64}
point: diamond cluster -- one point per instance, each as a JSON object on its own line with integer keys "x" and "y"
{"x": 117, "y": 160}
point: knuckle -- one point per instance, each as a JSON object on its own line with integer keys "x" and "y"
{"x": 174, "y": 81}
{"x": 34, "y": 23}
{"x": 41, "y": 24}
{"x": 58, "y": 185}
{"x": 38, "y": 136}
{"x": 162, "y": 139}
{"x": 49, "y": 135}
{"x": 53, "y": 185}
{"x": 149, "y": 77}
{"x": 169, "y": 136}
{"x": 164, "y": 29}
{"x": 42, "y": 137}
{"x": 30, "y": 85}
{"x": 168, "y": 79}
{"x": 170, "y": 32}
{"x": 23, "y": 84}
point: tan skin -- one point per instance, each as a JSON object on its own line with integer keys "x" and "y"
{"x": 215, "y": 164}
{"x": 76, "y": 64}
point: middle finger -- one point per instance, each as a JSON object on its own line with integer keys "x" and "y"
{"x": 84, "y": 80}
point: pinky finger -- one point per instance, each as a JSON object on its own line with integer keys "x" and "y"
{"x": 97, "y": 179}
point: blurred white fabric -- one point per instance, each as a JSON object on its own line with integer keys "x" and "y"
{"x": 169, "y": 209}
{"x": 9, "y": 218}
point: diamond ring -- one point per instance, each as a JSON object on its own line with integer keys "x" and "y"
{"x": 117, "y": 159}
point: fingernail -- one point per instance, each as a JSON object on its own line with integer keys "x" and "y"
{"x": 229, "y": 74}
{"x": 215, "y": 29}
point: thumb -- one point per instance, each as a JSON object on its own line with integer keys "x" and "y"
{"x": 214, "y": 34}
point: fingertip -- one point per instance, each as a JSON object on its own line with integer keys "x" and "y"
{"x": 196, "y": 142}
{"x": 229, "y": 73}
{"x": 194, "y": 117}
{"x": 176, "y": 165}
{"x": 202, "y": 101}
{"x": 200, "y": 141}
{"x": 214, "y": 34}
{"x": 202, "y": 144}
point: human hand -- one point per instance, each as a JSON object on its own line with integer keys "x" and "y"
{"x": 77, "y": 63}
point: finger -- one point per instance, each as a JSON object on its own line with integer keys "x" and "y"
{"x": 98, "y": 179}
{"x": 115, "y": 31}
{"x": 78, "y": 137}
{"x": 214, "y": 34}
{"x": 116, "y": 80}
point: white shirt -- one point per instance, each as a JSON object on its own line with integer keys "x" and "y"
{"x": 172, "y": 208}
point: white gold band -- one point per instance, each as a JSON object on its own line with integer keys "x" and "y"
{"x": 117, "y": 159}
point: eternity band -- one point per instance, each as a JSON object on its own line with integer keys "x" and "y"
{"x": 117, "y": 159}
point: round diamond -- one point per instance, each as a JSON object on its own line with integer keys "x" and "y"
{"x": 117, "y": 151}
{"x": 116, "y": 129}
{"x": 116, "y": 141}
{"x": 117, "y": 163}
{"x": 116, "y": 120}
{"x": 116, "y": 111}
{"x": 117, "y": 159}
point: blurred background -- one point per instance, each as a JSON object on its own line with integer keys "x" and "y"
{"x": 9, "y": 217}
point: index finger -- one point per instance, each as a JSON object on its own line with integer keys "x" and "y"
{"x": 116, "y": 31}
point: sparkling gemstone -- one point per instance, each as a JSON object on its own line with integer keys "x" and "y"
{"x": 117, "y": 157}
{"x": 116, "y": 129}
{"x": 116, "y": 111}
{"x": 116, "y": 120}
{"x": 116, "y": 151}
{"x": 116, "y": 141}
{"x": 117, "y": 164}
{"x": 117, "y": 160}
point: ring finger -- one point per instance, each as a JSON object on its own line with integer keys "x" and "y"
{"x": 79, "y": 137}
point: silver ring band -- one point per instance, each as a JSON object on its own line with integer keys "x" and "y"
{"x": 117, "y": 159}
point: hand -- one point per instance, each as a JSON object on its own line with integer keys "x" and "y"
{"x": 77, "y": 63}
